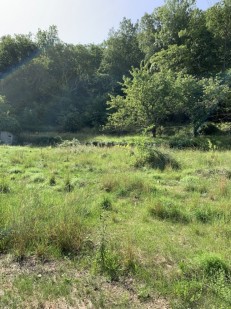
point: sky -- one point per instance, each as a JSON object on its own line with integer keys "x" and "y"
{"x": 78, "y": 21}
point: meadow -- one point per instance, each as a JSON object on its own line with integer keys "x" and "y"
{"x": 129, "y": 226}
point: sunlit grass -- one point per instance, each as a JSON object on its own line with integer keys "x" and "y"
{"x": 95, "y": 206}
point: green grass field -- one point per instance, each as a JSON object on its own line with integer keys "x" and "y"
{"x": 115, "y": 227}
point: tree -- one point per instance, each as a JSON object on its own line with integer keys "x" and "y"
{"x": 151, "y": 99}
{"x": 8, "y": 122}
{"x": 218, "y": 20}
{"x": 47, "y": 38}
{"x": 174, "y": 17}
{"x": 14, "y": 51}
{"x": 200, "y": 45}
{"x": 121, "y": 51}
{"x": 175, "y": 58}
{"x": 148, "y": 28}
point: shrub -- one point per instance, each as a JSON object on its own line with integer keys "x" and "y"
{"x": 209, "y": 129}
{"x": 72, "y": 143}
{"x": 186, "y": 142}
{"x": 40, "y": 140}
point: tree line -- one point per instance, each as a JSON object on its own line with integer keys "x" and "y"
{"x": 172, "y": 66}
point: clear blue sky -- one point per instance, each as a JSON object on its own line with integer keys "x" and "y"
{"x": 78, "y": 21}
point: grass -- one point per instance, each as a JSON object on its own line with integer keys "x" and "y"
{"x": 83, "y": 225}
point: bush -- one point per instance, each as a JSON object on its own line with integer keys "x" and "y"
{"x": 72, "y": 143}
{"x": 41, "y": 140}
{"x": 185, "y": 142}
{"x": 209, "y": 129}
{"x": 9, "y": 123}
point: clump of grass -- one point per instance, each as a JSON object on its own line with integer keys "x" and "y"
{"x": 68, "y": 185}
{"x": 223, "y": 187}
{"x": 212, "y": 265}
{"x": 16, "y": 170}
{"x": 52, "y": 180}
{"x": 38, "y": 178}
{"x": 205, "y": 214}
{"x": 134, "y": 185}
{"x": 129, "y": 258}
{"x": 4, "y": 186}
{"x": 67, "y": 236}
{"x": 153, "y": 158}
{"x": 110, "y": 183}
{"x": 194, "y": 184}
{"x": 166, "y": 210}
{"x": 106, "y": 203}
{"x": 15, "y": 159}
{"x": 127, "y": 185}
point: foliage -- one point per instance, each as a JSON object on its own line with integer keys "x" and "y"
{"x": 8, "y": 121}
{"x": 153, "y": 97}
{"x": 162, "y": 69}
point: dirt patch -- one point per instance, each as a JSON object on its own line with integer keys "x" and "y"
{"x": 85, "y": 290}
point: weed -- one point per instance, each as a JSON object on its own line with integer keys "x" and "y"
{"x": 190, "y": 292}
{"x": 106, "y": 204}
{"x": 107, "y": 261}
{"x": 222, "y": 286}
{"x": 144, "y": 293}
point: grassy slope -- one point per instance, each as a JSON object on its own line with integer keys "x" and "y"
{"x": 118, "y": 235}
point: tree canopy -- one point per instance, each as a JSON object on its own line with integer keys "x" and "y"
{"x": 171, "y": 66}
